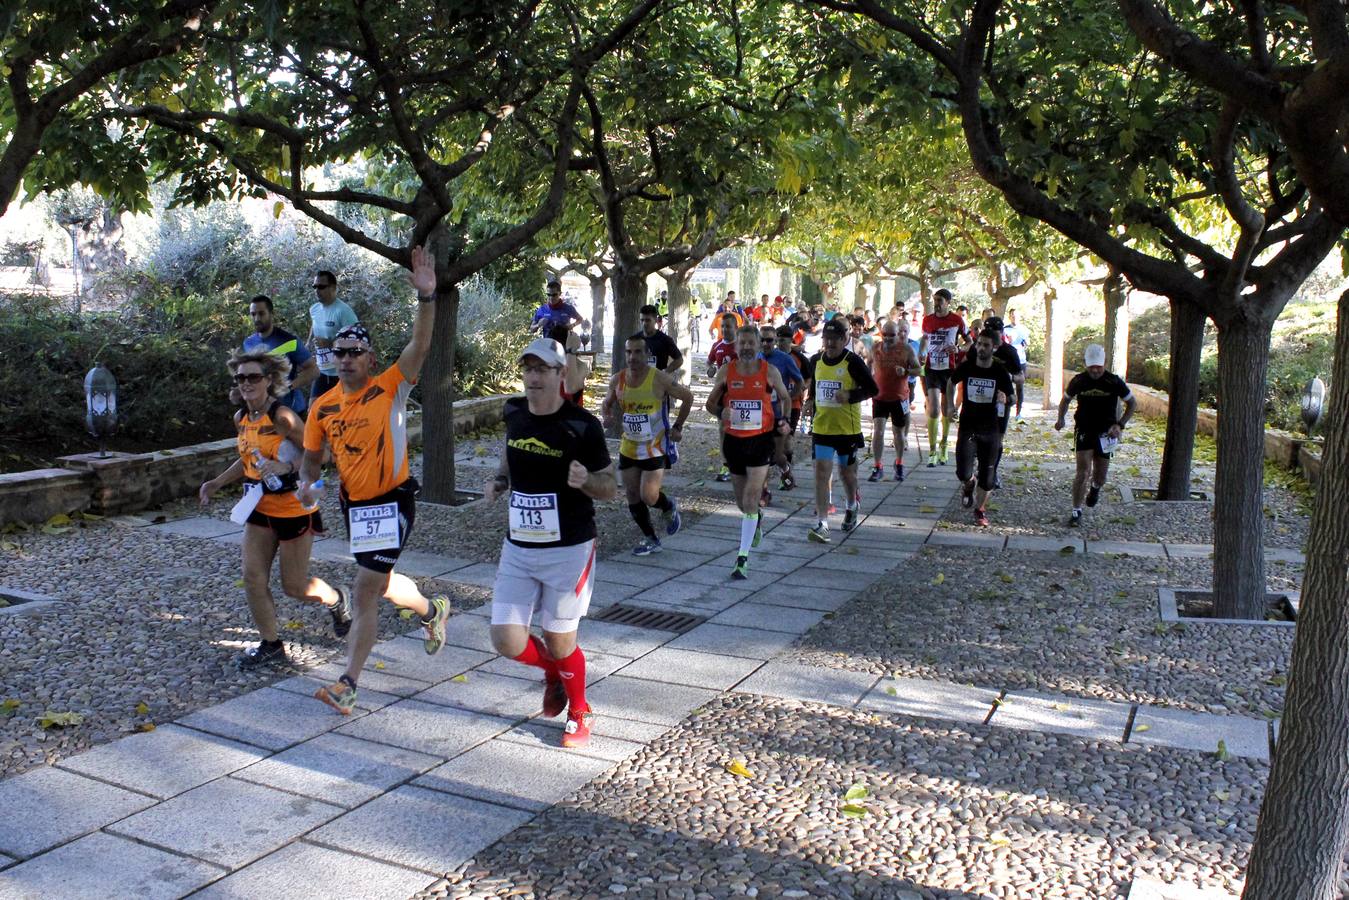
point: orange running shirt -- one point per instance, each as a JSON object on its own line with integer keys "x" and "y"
{"x": 263, "y": 436}
{"x": 367, "y": 432}
{"x": 749, "y": 399}
{"x": 884, "y": 365}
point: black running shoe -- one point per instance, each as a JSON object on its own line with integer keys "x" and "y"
{"x": 967, "y": 494}
{"x": 341, "y": 613}
{"x": 262, "y": 655}
{"x": 1093, "y": 495}
{"x": 876, "y": 473}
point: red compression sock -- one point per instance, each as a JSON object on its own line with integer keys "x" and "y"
{"x": 536, "y": 654}
{"x": 573, "y": 672}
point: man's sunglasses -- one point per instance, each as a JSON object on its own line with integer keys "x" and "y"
{"x": 249, "y": 378}
{"x": 319, "y": 287}
{"x": 344, "y": 352}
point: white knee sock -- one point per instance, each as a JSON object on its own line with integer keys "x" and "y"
{"x": 747, "y": 526}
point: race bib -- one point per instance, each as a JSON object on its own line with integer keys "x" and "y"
{"x": 324, "y": 355}
{"x": 249, "y": 502}
{"x": 746, "y": 415}
{"x": 373, "y": 527}
{"x": 937, "y": 359}
{"x": 981, "y": 390}
{"x": 1109, "y": 444}
{"x": 534, "y": 518}
{"x": 637, "y": 426}
{"x": 826, "y": 393}
{"x": 904, "y": 407}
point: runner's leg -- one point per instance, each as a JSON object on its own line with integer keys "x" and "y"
{"x": 633, "y": 483}
{"x": 1084, "y": 466}
{"x": 295, "y": 578}
{"x": 259, "y": 549}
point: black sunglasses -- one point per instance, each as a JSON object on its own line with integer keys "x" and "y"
{"x": 319, "y": 287}
{"x": 248, "y": 378}
{"x": 344, "y": 352}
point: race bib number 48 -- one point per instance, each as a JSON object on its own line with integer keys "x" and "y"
{"x": 534, "y": 518}
{"x": 746, "y": 415}
{"x": 373, "y": 527}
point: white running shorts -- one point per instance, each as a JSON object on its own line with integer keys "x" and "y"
{"x": 555, "y": 582}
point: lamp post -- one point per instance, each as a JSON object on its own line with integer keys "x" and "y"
{"x": 1313, "y": 403}
{"x": 100, "y": 402}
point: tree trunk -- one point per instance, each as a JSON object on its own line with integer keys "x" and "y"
{"x": 1117, "y": 324}
{"x": 1053, "y": 362}
{"x": 599, "y": 288}
{"x": 1182, "y": 416}
{"x": 1238, "y": 509}
{"x": 1303, "y": 832}
{"x": 629, "y": 295}
{"x": 437, "y": 382}
{"x": 76, "y": 267}
{"x": 677, "y": 288}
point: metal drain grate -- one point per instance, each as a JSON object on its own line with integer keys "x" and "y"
{"x": 641, "y": 617}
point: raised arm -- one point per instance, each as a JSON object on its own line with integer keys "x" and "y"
{"x": 423, "y": 281}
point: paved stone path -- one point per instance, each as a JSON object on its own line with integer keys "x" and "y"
{"x": 271, "y": 793}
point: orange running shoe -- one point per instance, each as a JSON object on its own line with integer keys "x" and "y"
{"x": 339, "y": 695}
{"x": 577, "y": 732}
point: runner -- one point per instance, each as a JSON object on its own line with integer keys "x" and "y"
{"x": 269, "y": 336}
{"x": 555, "y": 311}
{"x": 1097, "y": 425}
{"x": 577, "y": 370}
{"x": 722, "y": 353}
{"x": 1019, "y": 339}
{"x": 785, "y": 335}
{"x": 661, "y": 351}
{"x": 943, "y": 332}
{"x": 988, "y": 387}
{"x": 1006, "y": 354}
{"x": 790, "y": 370}
{"x": 892, "y": 362}
{"x": 555, "y": 465}
{"x": 837, "y": 381}
{"x": 269, "y": 439}
{"x": 327, "y": 316}
{"x": 742, "y": 402}
{"x": 638, "y": 392}
{"x": 362, "y": 421}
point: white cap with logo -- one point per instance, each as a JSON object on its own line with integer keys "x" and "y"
{"x": 1095, "y": 355}
{"x": 546, "y": 349}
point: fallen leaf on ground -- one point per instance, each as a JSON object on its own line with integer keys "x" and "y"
{"x": 941, "y": 576}
{"x": 146, "y": 727}
{"x": 1142, "y": 727}
{"x": 294, "y": 625}
{"x": 51, "y": 719}
{"x": 460, "y": 678}
{"x": 736, "y": 767}
{"x": 379, "y": 665}
{"x": 854, "y": 811}
{"x": 142, "y": 709}
{"x": 9, "y": 707}
{"x": 1223, "y": 753}
{"x": 405, "y": 614}
{"x": 856, "y": 792}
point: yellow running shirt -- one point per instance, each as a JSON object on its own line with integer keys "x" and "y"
{"x": 643, "y": 417}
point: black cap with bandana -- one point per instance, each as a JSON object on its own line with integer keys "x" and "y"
{"x": 355, "y": 332}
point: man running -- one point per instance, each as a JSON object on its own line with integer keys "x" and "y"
{"x": 555, "y": 465}
{"x": 723, "y": 351}
{"x": 638, "y": 393}
{"x": 269, "y": 337}
{"x": 988, "y": 387}
{"x": 1097, "y": 425}
{"x": 790, "y": 370}
{"x": 892, "y": 362}
{"x": 837, "y": 381}
{"x": 742, "y": 399}
{"x": 943, "y": 332}
{"x": 363, "y": 422}
{"x": 661, "y": 351}
{"x": 555, "y": 311}
{"x": 327, "y": 316}
{"x": 1019, "y": 339}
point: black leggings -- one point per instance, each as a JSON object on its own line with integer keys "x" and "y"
{"x": 983, "y": 448}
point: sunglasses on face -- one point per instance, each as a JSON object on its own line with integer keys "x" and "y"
{"x": 248, "y": 377}
{"x": 319, "y": 287}
{"x": 344, "y": 352}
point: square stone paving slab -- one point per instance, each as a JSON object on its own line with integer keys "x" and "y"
{"x": 1189, "y": 551}
{"x": 606, "y": 593}
{"x": 686, "y": 667}
{"x": 717, "y": 576}
{"x": 227, "y": 822}
{"x": 543, "y": 733}
{"x": 967, "y": 539}
{"x": 1162, "y": 727}
{"x": 759, "y": 561}
{"x": 478, "y": 575}
{"x": 831, "y": 578}
{"x": 422, "y": 829}
{"x": 675, "y": 561}
{"x": 511, "y": 774}
{"x": 378, "y": 689}
{"x": 269, "y": 718}
{"x": 45, "y": 807}
{"x": 499, "y": 695}
{"x": 646, "y": 701}
{"x": 1036, "y": 544}
{"x": 620, "y": 640}
{"x": 99, "y": 866}
{"x": 307, "y": 872}
{"x": 407, "y": 657}
{"x": 467, "y": 631}
{"x": 729, "y": 640}
{"x": 931, "y": 699}
{"x": 598, "y": 665}
{"x": 786, "y": 594}
{"x": 197, "y": 527}
{"x": 427, "y": 728}
{"x": 814, "y": 684}
{"x": 420, "y": 564}
{"x": 164, "y": 762}
{"x": 678, "y": 590}
{"x": 1127, "y": 548}
{"x": 338, "y": 769}
{"x": 769, "y": 618}
{"x": 1096, "y": 720}
{"x": 632, "y": 573}
{"x": 1151, "y": 889}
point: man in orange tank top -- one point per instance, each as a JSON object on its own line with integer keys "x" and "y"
{"x": 892, "y": 362}
{"x": 742, "y": 399}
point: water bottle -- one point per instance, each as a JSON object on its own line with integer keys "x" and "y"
{"x": 273, "y": 482}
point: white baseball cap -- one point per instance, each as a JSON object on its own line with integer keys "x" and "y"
{"x": 546, "y": 349}
{"x": 1095, "y": 355}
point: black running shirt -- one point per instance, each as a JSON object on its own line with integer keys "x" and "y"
{"x": 543, "y": 510}
{"x": 979, "y": 411}
{"x": 1097, "y": 401}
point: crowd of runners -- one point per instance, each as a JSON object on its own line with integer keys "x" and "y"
{"x": 778, "y": 374}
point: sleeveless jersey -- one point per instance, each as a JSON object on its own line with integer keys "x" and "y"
{"x": 749, "y": 398}
{"x": 262, "y": 436}
{"x": 831, "y": 416}
{"x": 943, "y": 340}
{"x": 643, "y": 421}
{"x": 884, "y": 367}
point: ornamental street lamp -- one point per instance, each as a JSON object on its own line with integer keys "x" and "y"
{"x": 1313, "y": 403}
{"x": 100, "y": 402}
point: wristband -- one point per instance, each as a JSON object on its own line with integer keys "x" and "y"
{"x": 427, "y": 299}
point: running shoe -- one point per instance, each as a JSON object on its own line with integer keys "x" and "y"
{"x": 577, "y": 732}
{"x": 967, "y": 494}
{"x": 435, "y": 629}
{"x": 741, "y": 570}
{"x": 849, "y": 520}
{"x": 788, "y": 482}
{"x": 941, "y": 458}
{"x": 1093, "y": 495}
{"x": 758, "y": 532}
{"x": 724, "y": 474}
{"x": 876, "y": 474}
{"x": 1075, "y": 519}
{"x": 554, "y": 698}
{"x": 262, "y": 655}
{"x": 673, "y": 520}
{"x": 981, "y": 518}
{"x": 339, "y": 695}
{"x": 646, "y": 547}
{"x": 899, "y": 471}
{"x": 931, "y": 461}
{"x": 766, "y": 497}
{"x": 819, "y": 534}
{"x": 341, "y": 613}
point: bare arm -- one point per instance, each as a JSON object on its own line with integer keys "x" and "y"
{"x": 713, "y": 404}
{"x": 680, "y": 393}
{"x": 1063, "y": 412}
{"x": 305, "y": 377}
{"x": 423, "y": 280}
{"x": 610, "y": 400}
{"x": 601, "y": 485}
{"x": 779, "y": 387}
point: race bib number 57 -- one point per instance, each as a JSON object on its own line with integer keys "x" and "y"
{"x": 373, "y": 527}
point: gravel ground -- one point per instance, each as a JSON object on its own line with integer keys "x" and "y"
{"x": 950, "y": 813}
{"x": 1084, "y": 625}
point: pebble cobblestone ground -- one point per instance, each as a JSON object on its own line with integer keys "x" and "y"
{"x": 443, "y": 785}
